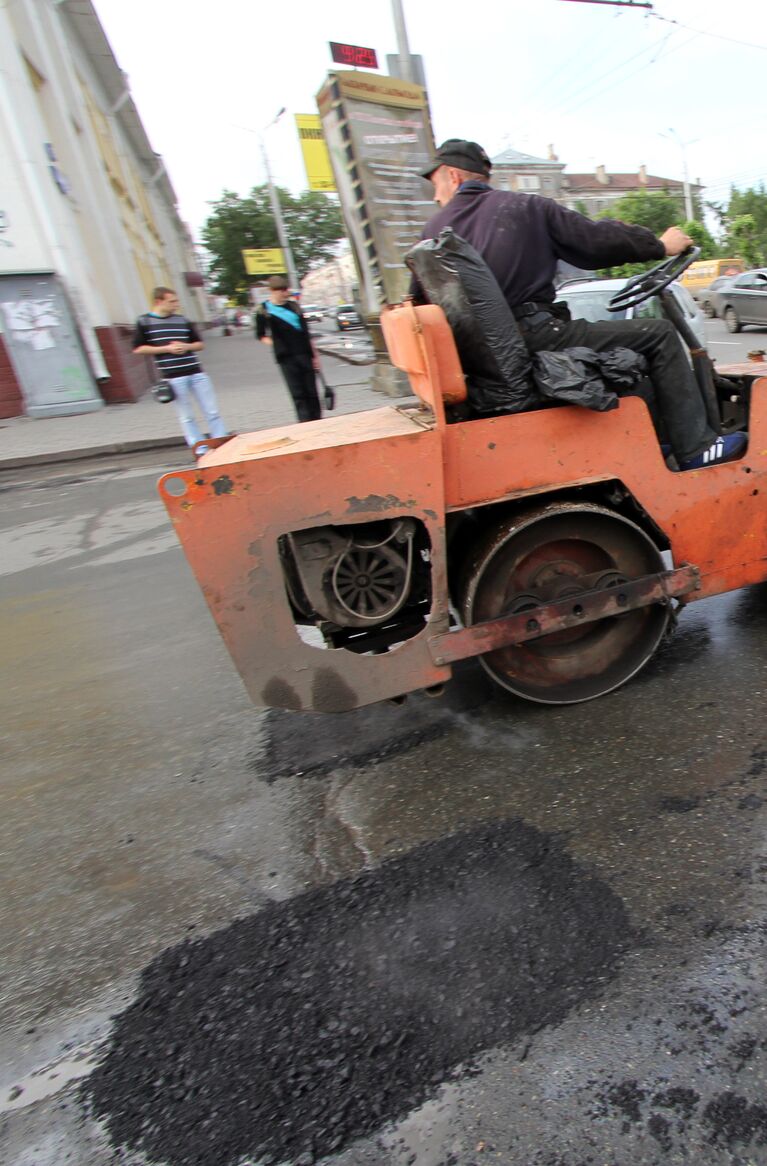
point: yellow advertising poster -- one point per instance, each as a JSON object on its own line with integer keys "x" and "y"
{"x": 319, "y": 172}
{"x": 268, "y": 261}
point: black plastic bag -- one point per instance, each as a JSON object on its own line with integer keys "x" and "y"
{"x": 573, "y": 376}
{"x": 493, "y": 354}
{"x": 622, "y": 367}
{"x": 578, "y": 375}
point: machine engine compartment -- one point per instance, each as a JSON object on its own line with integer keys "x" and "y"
{"x": 366, "y": 586}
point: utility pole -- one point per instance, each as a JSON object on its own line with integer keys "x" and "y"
{"x": 688, "y": 207}
{"x": 277, "y": 209}
{"x": 403, "y": 48}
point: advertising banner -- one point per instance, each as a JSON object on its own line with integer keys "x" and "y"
{"x": 319, "y": 173}
{"x": 266, "y": 261}
{"x": 379, "y": 137}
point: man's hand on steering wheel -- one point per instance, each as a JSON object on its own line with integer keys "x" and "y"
{"x": 640, "y": 287}
{"x": 675, "y": 241}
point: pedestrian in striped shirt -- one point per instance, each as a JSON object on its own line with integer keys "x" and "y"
{"x": 173, "y": 342}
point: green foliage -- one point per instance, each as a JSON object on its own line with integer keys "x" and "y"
{"x": 701, "y": 237}
{"x": 743, "y": 234}
{"x": 745, "y": 225}
{"x": 312, "y": 221}
{"x": 656, "y": 211}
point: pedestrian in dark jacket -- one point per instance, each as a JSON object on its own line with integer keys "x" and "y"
{"x": 281, "y": 325}
{"x": 522, "y": 236}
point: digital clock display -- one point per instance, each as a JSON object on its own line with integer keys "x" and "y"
{"x": 354, "y": 55}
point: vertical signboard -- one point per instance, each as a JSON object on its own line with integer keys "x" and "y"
{"x": 319, "y": 173}
{"x": 379, "y": 137}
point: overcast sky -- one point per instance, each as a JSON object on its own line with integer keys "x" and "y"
{"x": 599, "y": 83}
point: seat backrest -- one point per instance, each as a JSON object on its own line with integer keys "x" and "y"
{"x": 420, "y": 342}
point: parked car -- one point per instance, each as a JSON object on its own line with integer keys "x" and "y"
{"x": 346, "y": 316}
{"x": 743, "y": 300}
{"x": 312, "y": 311}
{"x": 587, "y": 299}
{"x": 706, "y": 297}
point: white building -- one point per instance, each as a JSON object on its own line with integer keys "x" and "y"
{"x": 332, "y": 283}
{"x": 88, "y": 219}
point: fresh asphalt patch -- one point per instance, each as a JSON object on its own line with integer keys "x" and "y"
{"x": 289, "y": 1034}
{"x": 303, "y": 744}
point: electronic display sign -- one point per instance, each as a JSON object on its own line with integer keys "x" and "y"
{"x": 355, "y": 56}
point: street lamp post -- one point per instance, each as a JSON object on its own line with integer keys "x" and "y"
{"x": 277, "y": 209}
{"x": 674, "y": 136}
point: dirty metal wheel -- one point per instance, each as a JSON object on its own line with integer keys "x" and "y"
{"x": 708, "y": 310}
{"x": 553, "y": 553}
{"x": 731, "y": 320}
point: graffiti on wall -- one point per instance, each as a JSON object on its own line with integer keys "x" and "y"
{"x": 32, "y": 322}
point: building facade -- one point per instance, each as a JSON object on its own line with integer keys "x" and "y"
{"x": 332, "y": 283}
{"x": 592, "y": 193}
{"x": 513, "y": 170}
{"x": 88, "y": 217}
{"x": 588, "y": 193}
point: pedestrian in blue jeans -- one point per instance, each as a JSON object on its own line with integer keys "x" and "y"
{"x": 173, "y": 342}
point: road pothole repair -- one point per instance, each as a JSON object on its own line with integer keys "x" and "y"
{"x": 291, "y": 1033}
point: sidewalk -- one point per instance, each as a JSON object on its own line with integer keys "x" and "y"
{"x": 251, "y": 395}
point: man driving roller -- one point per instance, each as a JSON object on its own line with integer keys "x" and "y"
{"x": 521, "y": 238}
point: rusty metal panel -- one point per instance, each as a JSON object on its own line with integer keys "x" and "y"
{"x": 230, "y": 510}
{"x": 713, "y": 517}
{"x": 556, "y": 617}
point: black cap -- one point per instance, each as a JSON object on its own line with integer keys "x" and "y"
{"x": 463, "y": 155}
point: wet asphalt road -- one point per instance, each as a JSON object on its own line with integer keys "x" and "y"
{"x": 146, "y": 804}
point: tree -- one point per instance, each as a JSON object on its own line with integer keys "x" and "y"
{"x": 312, "y": 220}
{"x": 745, "y": 225}
{"x": 701, "y": 237}
{"x": 657, "y": 211}
{"x": 743, "y": 236}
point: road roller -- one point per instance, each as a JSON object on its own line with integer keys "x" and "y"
{"x": 357, "y": 558}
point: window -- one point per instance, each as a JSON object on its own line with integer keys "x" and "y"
{"x": 528, "y": 182}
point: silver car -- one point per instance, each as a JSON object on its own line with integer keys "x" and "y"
{"x": 743, "y": 300}
{"x": 706, "y": 298}
{"x": 587, "y": 299}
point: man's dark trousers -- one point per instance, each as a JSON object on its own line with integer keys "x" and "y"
{"x": 677, "y": 396}
{"x": 301, "y": 380}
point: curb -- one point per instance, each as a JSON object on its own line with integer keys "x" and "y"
{"x": 346, "y": 357}
{"x": 81, "y": 455}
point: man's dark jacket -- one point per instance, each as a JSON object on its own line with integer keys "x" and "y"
{"x": 289, "y": 342}
{"x": 521, "y": 237}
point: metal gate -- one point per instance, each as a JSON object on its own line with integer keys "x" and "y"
{"x": 44, "y": 347}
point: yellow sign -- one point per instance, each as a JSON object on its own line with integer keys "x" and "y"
{"x": 268, "y": 261}
{"x": 315, "y": 151}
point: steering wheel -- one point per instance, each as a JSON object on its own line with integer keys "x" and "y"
{"x": 648, "y": 283}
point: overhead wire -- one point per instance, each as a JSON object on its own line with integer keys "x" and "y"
{"x": 577, "y": 63}
{"x": 701, "y": 32}
{"x": 566, "y": 95}
{"x": 635, "y": 73}
{"x": 595, "y": 81}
